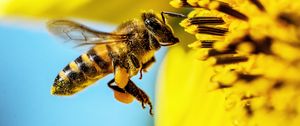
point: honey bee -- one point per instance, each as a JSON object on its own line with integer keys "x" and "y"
{"x": 124, "y": 52}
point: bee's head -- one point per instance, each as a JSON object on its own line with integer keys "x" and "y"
{"x": 159, "y": 29}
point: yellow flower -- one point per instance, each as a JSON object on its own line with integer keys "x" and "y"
{"x": 110, "y": 11}
{"x": 244, "y": 68}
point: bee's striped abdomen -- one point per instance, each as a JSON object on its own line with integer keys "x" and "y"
{"x": 82, "y": 72}
{"x": 89, "y": 70}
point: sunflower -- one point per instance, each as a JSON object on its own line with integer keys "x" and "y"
{"x": 243, "y": 68}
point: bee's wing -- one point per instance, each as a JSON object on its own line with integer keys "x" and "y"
{"x": 82, "y": 35}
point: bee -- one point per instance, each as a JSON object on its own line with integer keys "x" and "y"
{"x": 125, "y": 52}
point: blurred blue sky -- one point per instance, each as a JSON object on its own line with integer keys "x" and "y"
{"x": 31, "y": 59}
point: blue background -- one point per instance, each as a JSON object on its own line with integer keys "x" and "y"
{"x": 31, "y": 59}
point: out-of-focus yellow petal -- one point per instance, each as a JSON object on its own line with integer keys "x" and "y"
{"x": 184, "y": 89}
{"x": 112, "y": 11}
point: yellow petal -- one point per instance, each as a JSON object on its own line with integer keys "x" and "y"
{"x": 112, "y": 11}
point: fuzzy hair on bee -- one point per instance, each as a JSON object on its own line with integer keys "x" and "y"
{"x": 125, "y": 52}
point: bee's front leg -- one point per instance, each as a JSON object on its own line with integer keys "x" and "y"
{"x": 139, "y": 94}
{"x": 146, "y": 66}
{"x": 119, "y": 93}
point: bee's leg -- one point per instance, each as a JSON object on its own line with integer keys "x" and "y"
{"x": 139, "y": 94}
{"x": 141, "y": 74}
{"x": 172, "y": 14}
{"x": 135, "y": 61}
{"x": 115, "y": 87}
{"x": 121, "y": 76}
{"x": 120, "y": 66}
{"x": 146, "y": 65}
{"x": 119, "y": 93}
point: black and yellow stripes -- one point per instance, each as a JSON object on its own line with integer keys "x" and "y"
{"x": 86, "y": 66}
{"x": 98, "y": 60}
{"x": 82, "y": 72}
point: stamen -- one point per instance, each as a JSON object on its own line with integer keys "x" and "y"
{"x": 248, "y": 109}
{"x": 260, "y": 46}
{"x": 289, "y": 18}
{"x": 279, "y": 84}
{"x": 182, "y": 3}
{"x": 206, "y": 53}
{"x": 205, "y": 21}
{"x": 207, "y": 30}
{"x": 214, "y": 52}
{"x": 225, "y": 8}
{"x": 220, "y": 60}
{"x": 202, "y": 44}
{"x": 258, "y": 5}
{"x": 264, "y": 46}
{"x": 248, "y": 77}
{"x": 207, "y": 43}
{"x": 247, "y": 97}
{"x": 212, "y": 30}
{"x": 222, "y": 85}
{"x": 204, "y": 3}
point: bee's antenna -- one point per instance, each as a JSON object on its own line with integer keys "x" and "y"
{"x": 172, "y": 14}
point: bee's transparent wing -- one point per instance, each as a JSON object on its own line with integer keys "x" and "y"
{"x": 82, "y": 35}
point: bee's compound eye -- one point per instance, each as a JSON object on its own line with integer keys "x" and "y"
{"x": 152, "y": 24}
{"x": 175, "y": 40}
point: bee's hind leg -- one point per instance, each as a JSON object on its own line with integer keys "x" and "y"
{"x": 121, "y": 75}
{"x": 139, "y": 94}
{"x": 119, "y": 93}
{"x": 130, "y": 92}
{"x": 111, "y": 85}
